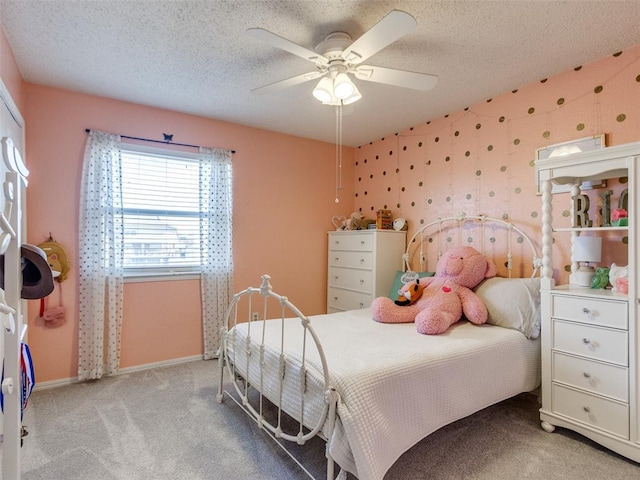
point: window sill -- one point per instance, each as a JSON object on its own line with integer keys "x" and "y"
{"x": 160, "y": 277}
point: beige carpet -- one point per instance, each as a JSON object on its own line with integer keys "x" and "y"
{"x": 164, "y": 424}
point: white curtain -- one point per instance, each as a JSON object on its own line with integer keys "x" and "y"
{"x": 100, "y": 259}
{"x": 216, "y": 279}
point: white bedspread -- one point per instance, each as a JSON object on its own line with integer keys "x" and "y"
{"x": 396, "y": 386}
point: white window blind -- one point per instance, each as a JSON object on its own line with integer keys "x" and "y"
{"x": 161, "y": 213}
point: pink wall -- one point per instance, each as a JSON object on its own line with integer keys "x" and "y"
{"x": 480, "y": 159}
{"x": 10, "y": 74}
{"x": 283, "y": 204}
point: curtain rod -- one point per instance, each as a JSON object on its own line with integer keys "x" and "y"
{"x": 167, "y": 142}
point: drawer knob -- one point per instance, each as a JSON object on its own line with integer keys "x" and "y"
{"x": 586, "y": 341}
{"x": 362, "y": 242}
{"x": 361, "y": 305}
{"x": 586, "y": 375}
{"x": 362, "y": 260}
{"x": 585, "y": 310}
{"x": 335, "y": 298}
{"x": 586, "y": 409}
{"x": 361, "y": 281}
{"x": 337, "y": 258}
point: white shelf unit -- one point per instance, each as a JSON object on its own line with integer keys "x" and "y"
{"x": 361, "y": 266}
{"x": 590, "y": 337}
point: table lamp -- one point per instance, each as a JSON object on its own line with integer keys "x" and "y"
{"x": 588, "y": 250}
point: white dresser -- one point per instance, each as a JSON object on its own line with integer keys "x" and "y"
{"x": 362, "y": 266}
{"x": 591, "y": 337}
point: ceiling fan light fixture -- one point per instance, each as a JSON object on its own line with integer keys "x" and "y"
{"x": 343, "y": 87}
{"x": 324, "y": 90}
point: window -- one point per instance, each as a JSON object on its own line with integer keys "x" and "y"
{"x": 161, "y": 213}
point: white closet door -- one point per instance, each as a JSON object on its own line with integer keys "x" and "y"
{"x": 12, "y": 126}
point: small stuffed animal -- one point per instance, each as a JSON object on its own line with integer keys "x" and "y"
{"x": 445, "y": 297}
{"x": 410, "y": 293}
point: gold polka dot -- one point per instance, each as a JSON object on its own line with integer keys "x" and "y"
{"x": 577, "y": 69}
{"x": 478, "y": 173}
{"x": 623, "y": 179}
{"x": 503, "y": 168}
{"x": 501, "y": 119}
{"x": 566, "y": 213}
{"x": 516, "y": 141}
{"x": 505, "y": 216}
{"x": 567, "y": 268}
{"x": 625, "y": 240}
{"x": 492, "y": 193}
{"x": 490, "y": 147}
{"x": 580, "y": 127}
{"x": 447, "y": 159}
{"x": 638, "y": 78}
{"x": 437, "y": 139}
{"x": 621, "y": 118}
{"x": 518, "y": 190}
{"x": 532, "y": 163}
{"x": 430, "y": 201}
{"x": 419, "y": 144}
{"x": 617, "y": 54}
{"x": 448, "y": 199}
{"x": 534, "y": 214}
{"x": 560, "y": 101}
{"x": 457, "y": 132}
{"x": 531, "y": 110}
{"x": 478, "y": 126}
{"x": 468, "y": 196}
{"x": 598, "y": 89}
{"x": 546, "y": 134}
{"x": 467, "y": 153}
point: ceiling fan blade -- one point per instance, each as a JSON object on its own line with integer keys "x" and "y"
{"x": 399, "y": 78}
{"x": 394, "y": 25}
{"x": 282, "y": 43}
{"x": 287, "y": 82}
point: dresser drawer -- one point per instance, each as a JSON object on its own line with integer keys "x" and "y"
{"x": 361, "y": 280}
{"x": 598, "y": 412}
{"x": 351, "y": 259}
{"x": 609, "y": 313}
{"x": 604, "y": 344}
{"x": 348, "y": 300}
{"x": 601, "y": 378}
{"x": 351, "y": 241}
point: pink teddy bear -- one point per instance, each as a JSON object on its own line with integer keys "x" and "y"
{"x": 446, "y": 296}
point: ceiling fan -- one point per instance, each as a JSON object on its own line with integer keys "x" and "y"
{"x": 338, "y": 56}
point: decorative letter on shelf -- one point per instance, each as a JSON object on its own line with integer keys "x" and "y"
{"x": 581, "y": 211}
{"x": 606, "y": 208}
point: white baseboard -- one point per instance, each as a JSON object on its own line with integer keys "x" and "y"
{"x": 136, "y": 368}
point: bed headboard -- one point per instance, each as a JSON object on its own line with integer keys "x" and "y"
{"x": 499, "y": 240}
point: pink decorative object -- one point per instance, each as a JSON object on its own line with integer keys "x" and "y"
{"x": 618, "y": 213}
{"x": 446, "y": 296}
{"x": 622, "y": 285}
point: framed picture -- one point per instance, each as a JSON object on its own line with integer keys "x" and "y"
{"x": 566, "y": 148}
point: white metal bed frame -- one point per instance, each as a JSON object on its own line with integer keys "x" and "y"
{"x": 325, "y": 424}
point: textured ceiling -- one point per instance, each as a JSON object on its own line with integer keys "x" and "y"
{"x": 194, "y": 56}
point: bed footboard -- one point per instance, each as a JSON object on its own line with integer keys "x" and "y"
{"x": 278, "y": 369}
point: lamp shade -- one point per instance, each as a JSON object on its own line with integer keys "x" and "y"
{"x": 324, "y": 90}
{"x": 587, "y": 249}
{"x": 342, "y": 86}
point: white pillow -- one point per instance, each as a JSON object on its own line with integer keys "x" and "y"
{"x": 512, "y": 303}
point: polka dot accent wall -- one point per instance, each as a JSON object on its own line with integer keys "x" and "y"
{"x": 481, "y": 159}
